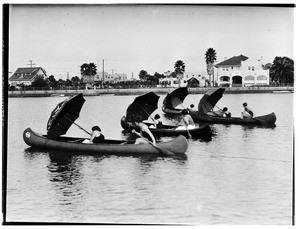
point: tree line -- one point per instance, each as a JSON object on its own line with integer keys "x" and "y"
{"x": 281, "y": 72}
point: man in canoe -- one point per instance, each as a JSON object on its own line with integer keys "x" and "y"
{"x": 144, "y": 132}
{"x": 247, "y": 113}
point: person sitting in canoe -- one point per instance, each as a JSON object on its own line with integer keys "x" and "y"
{"x": 192, "y": 107}
{"x": 188, "y": 121}
{"x": 96, "y": 136}
{"x": 144, "y": 133}
{"x": 226, "y": 113}
{"x": 247, "y": 113}
{"x": 156, "y": 122}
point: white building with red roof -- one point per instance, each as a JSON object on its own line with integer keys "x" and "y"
{"x": 26, "y": 76}
{"x": 241, "y": 71}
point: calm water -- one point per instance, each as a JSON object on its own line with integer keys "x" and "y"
{"x": 242, "y": 176}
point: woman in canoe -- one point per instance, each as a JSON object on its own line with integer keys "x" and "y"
{"x": 144, "y": 133}
{"x": 96, "y": 136}
{"x": 226, "y": 113}
{"x": 156, "y": 122}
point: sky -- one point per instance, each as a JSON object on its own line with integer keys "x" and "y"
{"x": 131, "y": 38}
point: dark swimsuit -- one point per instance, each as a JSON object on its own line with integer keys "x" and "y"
{"x": 98, "y": 139}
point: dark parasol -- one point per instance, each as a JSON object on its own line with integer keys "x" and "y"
{"x": 143, "y": 106}
{"x": 209, "y": 100}
{"x": 175, "y": 98}
{"x": 64, "y": 115}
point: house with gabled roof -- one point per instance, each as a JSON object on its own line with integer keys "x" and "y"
{"x": 241, "y": 71}
{"x": 26, "y": 76}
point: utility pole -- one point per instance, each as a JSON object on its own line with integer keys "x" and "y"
{"x": 30, "y": 63}
{"x": 103, "y": 70}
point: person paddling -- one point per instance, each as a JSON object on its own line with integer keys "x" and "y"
{"x": 144, "y": 130}
{"x": 156, "y": 122}
{"x": 247, "y": 113}
{"x": 188, "y": 121}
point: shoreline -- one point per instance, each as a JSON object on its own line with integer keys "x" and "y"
{"x": 139, "y": 91}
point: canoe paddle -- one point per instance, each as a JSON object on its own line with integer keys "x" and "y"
{"x": 148, "y": 114}
{"x": 161, "y": 150}
{"x": 78, "y": 126}
{"x": 178, "y": 100}
{"x": 187, "y": 128}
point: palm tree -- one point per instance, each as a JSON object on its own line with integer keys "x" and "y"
{"x": 88, "y": 71}
{"x": 179, "y": 67}
{"x": 143, "y": 75}
{"x": 210, "y": 58}
{"x": 282, "y": 70}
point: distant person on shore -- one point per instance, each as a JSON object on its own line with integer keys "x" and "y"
{"x": 247, "y": 113}
{"x": 144, "y": 133}
{"x": 96, "y": 136}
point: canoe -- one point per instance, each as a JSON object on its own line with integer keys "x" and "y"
{"x": 169, "y": 130}
{"x": 266, "y": 120}
{"x": 178, "y": 145}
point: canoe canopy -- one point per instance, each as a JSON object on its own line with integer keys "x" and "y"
{"x": 175, "y": 98}
{"x": 64, "y": 115}
{"x": 209, "y": 100}
{"x": 143, "y": 105}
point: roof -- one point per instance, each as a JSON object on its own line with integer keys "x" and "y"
{"x": 233, "y": 61}
{"x": 26, "y": 73}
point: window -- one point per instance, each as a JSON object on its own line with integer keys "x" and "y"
{"x": 249, "y": 68}
{"x": 252, "y": 68}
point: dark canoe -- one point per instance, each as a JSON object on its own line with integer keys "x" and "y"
{"x": 169, "y": 130}
{"x": 267, "y": 120}
{"x": 178, "y": 145}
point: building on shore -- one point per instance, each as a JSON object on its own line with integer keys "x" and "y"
{"x": 101, "y": 77}
{"x": 187, "y": 79}
{"x": 26, "y": 76}
{"x": 241, "y": 71}
{"x": 169, "y": 82}
{"x": 193, "y": 79}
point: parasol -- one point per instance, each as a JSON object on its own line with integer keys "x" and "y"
{"x": 143, "y": 106}
{"x": 175, "y": 98}
{"x": 64, "y": 115}
{"x": 209, "y": 100}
